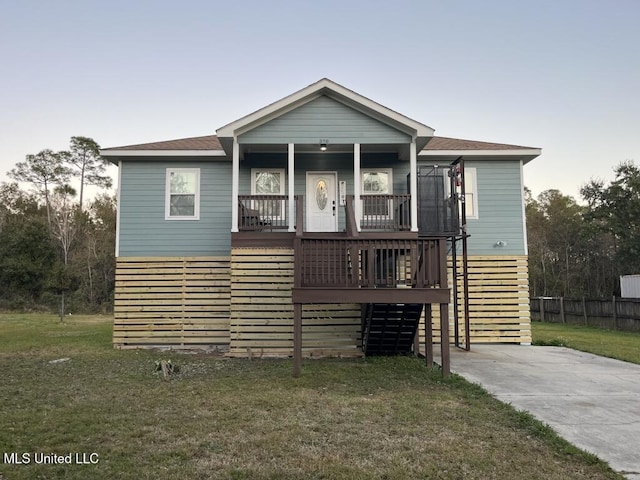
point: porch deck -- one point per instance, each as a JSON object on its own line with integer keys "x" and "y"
{"x": 373, "y": 261}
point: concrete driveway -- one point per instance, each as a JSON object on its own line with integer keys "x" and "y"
{"x": 593, "y": 402}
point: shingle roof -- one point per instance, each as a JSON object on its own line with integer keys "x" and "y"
{"x": 445, "y": 143}
{"x": 211, "y": 142}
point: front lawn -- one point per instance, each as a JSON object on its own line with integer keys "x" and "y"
{"x": 607, "y": 343}
{"x": 381, "y": 418}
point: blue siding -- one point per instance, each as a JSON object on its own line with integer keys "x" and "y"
{"x": 324, "y": 118}
{"x": 499, "y": 209}
{"x": 143, "y": 228}
{"x": 499, "y": 197}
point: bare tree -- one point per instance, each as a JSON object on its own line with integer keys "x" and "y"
{"x": 86, "y": 164}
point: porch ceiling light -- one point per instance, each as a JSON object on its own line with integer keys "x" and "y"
{"x": 323, "y": 145}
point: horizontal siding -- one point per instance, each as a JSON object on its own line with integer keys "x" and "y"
{"x": 143, "y": 228}
{"x": 172, "y": 302}
{"x": 498, "y": 301}
{"x": 499, "y": 209}
{"x": 261, "y": 322}
{"x": 324, "y": 118}
{"x": 499, "y": 197}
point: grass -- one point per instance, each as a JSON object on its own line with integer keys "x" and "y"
{"x": 383, "y": 418}
{"x": 607, "y": 343}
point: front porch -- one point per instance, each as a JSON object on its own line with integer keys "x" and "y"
{"x": 375, "y": 261}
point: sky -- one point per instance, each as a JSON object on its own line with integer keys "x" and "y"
{"x": 563, "y": 76}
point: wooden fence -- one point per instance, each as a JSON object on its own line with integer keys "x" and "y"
{"x": 614, "y": 313}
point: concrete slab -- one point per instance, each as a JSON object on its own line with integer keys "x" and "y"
{"x": 591, "y": 401}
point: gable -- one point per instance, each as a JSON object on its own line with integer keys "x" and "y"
{"x": 323, "y": 118}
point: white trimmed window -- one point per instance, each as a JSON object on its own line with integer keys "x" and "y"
{"x": 471, "y": 193}
{"x": 182, "y": 198}
{"x": 268, "y": 181}
{"x": 376, "y": 182}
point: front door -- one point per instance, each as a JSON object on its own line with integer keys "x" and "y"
{"x": 322, "y": 211}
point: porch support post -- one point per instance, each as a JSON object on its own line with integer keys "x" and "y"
{"x": 413, "y": 179}
{"x": 297, "y": 339}
{"x": 444, "y": 339}
{"x": 356, "y": 184}
{"x": 290, "y": 173}
{"x": 235, "y": 180}
{"x": 428, "y": 335}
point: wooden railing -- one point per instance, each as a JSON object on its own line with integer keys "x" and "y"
{"x": 370, "y": 263}
{"x": 385, "y": 213}
{"x": 257, "y": 213}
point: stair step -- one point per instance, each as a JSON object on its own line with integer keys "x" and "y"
{"x": 389, "y": 329}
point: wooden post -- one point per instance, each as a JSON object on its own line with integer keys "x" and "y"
{"x": 615, "y": 313}
{"x": 428, "y": 335}
{"x": 444, "y": 339}
{"x": 541, "y": 308}
{"x": 584, "y": 310}
{"x": 297, "y": 339}
{"x": 562, "y": 319}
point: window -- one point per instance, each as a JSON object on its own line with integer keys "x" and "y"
{"x": 470, "y": 190}
{"x": 376, "y": 182}
{"x": 182, "y": 200}
{"x": 268, "y": 182}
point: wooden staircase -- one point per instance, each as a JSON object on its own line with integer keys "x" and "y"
{"x": 389, "y": 328}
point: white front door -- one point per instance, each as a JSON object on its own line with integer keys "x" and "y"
{"x": 322, "y": 208}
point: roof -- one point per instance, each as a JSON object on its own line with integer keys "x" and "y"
{"x": 446, "y": 143}
{"x": 208, "y": 142}
{"x": 419, "y": 131}
{"x": 211, "y": 143}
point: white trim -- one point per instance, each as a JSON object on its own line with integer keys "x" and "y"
{"x": 235, "y": 181}
{"x": 312, "y": 91}
{"x": 163, "y": 153}
{"x": 336, "y": 199}
{"x": 473, "y": 173}
{"x": 389, "y": 172}
{"x": 469, "y": 173}
{"x": 167, "y": 194}
{"x": 472, "y": 153}
{"x": 118, "y": 209}
{"x": 291, "y": 173}
{"x": 357, "y": 207}
{"x": 413, "y": 180}
{"x": 524, "y": 211}
{"x": 283, "y": 180}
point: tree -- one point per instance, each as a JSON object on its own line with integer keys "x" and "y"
{"x": 26, "y": 257}
{"x": 615, "y": 210}
{"x": 44, "y": 170}
{"x": 86, "y": 163}
{"x": 559, "y": 245}
{"x": 64, "y": 228}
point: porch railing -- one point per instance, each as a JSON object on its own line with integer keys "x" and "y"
{"x": 257, "y": 213}
{"x": 385, "y": 212}
{"x": 366, "y": 262}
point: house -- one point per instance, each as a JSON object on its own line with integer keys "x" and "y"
{"x": 321, "y": 224}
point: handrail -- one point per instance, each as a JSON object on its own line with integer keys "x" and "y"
{"x": 258, "y": 213}
{"x": 385, "y": 212}
{"x": 367, "y": 262}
